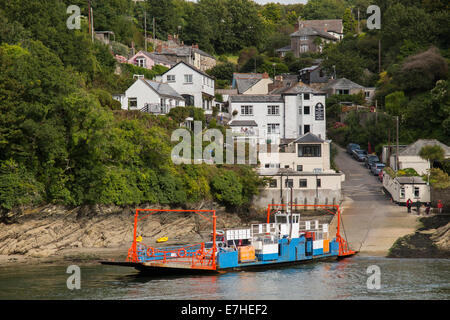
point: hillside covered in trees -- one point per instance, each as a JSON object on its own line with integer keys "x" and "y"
{"x": 62, "y": 139}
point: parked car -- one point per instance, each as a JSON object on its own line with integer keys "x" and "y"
{"x": 371, "y": 158}
{"x": 351, "y": 147}
{"x": 359, "y": 154}
{"x": 377, "y": 167}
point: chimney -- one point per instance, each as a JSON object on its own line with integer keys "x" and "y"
{"x": 159, "y": 48}
{"x": 169, "y": 37}
{"x": 265, "y": 75}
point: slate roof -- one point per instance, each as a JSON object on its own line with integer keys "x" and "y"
{"x": 414, "y": 149}
{"x": 261, "y": 98}
{"x": 284, "y": 49}
{"x": 309, "y": 138}
{"x": 334, "y": 25}
{"x": 158, "y": 58}
{"x": 193, "y": 68}
{"x": 306, "y": 31}
{"x": 243, "y": 123}
{"x": 299, "y": 88}
{"x": 342, "y": 83}
{"x": 163, "y": 89}
{"x": 410, "y": 180}
{"x": 243, "y": 85}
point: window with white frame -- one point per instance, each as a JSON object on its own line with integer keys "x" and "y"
{"x": 132, "y": 103}
{"x": 416, "y": 192}
{"x": 306, "y": 96}
{"x": 188, "y": 78}
{"x": 273, "y": 110}
{"x": 402, "y": 192}
{"x": 140, "y": 62}
{"x": 304, "y": 48}
{"x": 246, "y": 110}
{"x": 307, "y": 110}
{"x": 170, "y": 78}
{"x": 273, "y": 128}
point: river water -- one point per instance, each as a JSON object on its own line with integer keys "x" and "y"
{"x": 346, "y": 279}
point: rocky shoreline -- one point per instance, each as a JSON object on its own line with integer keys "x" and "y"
{"x": 56, "y": 233}
{"x": 431, "y": 240}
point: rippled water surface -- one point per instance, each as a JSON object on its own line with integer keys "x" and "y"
{"x": 346, "y": 279}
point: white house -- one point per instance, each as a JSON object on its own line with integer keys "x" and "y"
{"x": 296, "y": 111}
{"x": 409, "y": 156}
{"x": 196, "y": 86}
{"x": 251, "y": 83}
{"x": 302, "y": 164}
{"x": 403, "y": 188}
{"x": 151, "y": 96}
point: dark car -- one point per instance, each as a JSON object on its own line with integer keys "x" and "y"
{"x": 359, "y": 154}
{"x": 371, "y": 158}
{"x": 377, "y": 167}
{"x": 351, "y": 147}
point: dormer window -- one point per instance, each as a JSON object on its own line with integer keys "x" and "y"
{"x": 140, "y": 62}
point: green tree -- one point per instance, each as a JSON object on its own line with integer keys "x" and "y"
{"x": 432, "y": 153}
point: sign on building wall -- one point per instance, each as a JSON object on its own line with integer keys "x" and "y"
{"x": 320, "y": 111}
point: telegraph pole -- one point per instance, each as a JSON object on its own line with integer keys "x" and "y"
{"x": 397, "y": 164}
{"x": 145, "y": 28}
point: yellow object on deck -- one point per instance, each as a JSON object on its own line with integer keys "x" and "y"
{"x": 138, "y": 239}
{"x": 162, "y": 239}
{"x": 246, "y": 253}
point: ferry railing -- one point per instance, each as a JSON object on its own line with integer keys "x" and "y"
{"x": 197, "y": 256}
{"x": 344, "y": 249}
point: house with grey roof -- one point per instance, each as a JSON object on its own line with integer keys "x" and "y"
{"x": 151, "y": 96}
{"x": 189, "y": 54}
{"x": 251, "y": 83}
{"x": 311, "y": 35}
{"x": 288, "y": 114}
{"x": 346, "y": 86}
{"x": 147, "y": 60}
{"x": 302, "y": 164}
{"x": 409, "y": 156}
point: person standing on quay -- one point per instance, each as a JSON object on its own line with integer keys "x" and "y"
{"x": 418, "y": 206}
{"x": 408, "y": 205}
{"x": 440, "y": 206}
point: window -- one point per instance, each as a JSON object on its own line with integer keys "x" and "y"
{"x": 416, "y": 192}
{"x": 188, "y": 99}
{"x": 367, "y": 94}
{"x": 140, "y": 62}
{"x": 188, "y": 78}
{"x": 132, "y": 103}
{"x": 306, "y": 128}
{"x": 299, "y": 167}
{"x": 319, "y": 183}
{"x": 289, "y": 183}
{"x": 343, "y": 91}
{"x": 303, "y": 183}
{"x": 247, "y": 110}
{"x": 273, "y": 183}
{"x": 170, "y": 78}
{"x": 306, "y": 110}
{"x": 300, "y": 110}
{"x": 304, "y": 48}
{"x": 306, "y": 96}
{"x": 286, "y": 166}
{"x": 402, "y": 192}
{"x": 273, "y": 110}
{"x": 303, "y": 38}
{"x": 273, "y": 128}
{"x": 313, "y": 150}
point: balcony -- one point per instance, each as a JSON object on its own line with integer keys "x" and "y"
{"x": 156, "y": 108}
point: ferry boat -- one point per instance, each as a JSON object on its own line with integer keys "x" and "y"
{"x": 288, "y": 239}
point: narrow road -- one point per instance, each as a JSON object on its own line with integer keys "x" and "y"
{"x": 371, "y": 221}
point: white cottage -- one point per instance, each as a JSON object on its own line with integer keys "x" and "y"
{"x": 196, "y": 86}
{"x": 151, "y": 96}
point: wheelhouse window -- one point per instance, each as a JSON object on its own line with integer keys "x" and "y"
{"x": 247, "y": 110}
{"x": 313, "y": 150}
{"x": 273, "y": 110}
